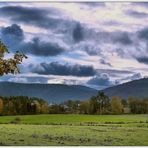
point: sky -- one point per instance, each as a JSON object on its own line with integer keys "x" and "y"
{"x": 96, "y": 44}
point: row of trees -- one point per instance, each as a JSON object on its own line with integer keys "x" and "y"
{"x": 22, "y": 106}
{"x": 99, "y": 104}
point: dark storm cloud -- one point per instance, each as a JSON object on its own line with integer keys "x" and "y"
{"x": 142, "y": 60}
{"x": 23, "y": 13}
{"x": 12, "y": 35}
{"x": 56, "y": 68}
{"x": 100, "y": 80}
{"x": 13, "y": 30}
{"x": 137, "y": 14}
{"x": 50, "y": 19}
{"x": 42, "y": 48}
{"x": 143, "y": 34}
{"x": 102, "y": 61}
{"x": 78, "y": 34}
{"x": 31, "y": 16}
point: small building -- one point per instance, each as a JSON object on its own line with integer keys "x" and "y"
{"x": 126, "y": 110}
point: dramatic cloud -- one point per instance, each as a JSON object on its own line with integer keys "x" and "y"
{"x": 143, "y": 34}
{"x": 142, "y": 60}
{"x": 78, "y": 33}
{"x": 12, "y": 35}
{"x": 42, "y": 48}
{"x": 96, "y": 44}
{"x": 101, "y": 80}
{"x": 33, "y": 16}
{"x": 56, "y": 68}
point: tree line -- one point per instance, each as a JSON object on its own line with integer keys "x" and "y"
{"x": 96, "y": 105}
{"x": 102, "y": 104}
{"x": 22, "y": 105}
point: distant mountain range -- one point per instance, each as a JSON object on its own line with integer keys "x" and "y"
{"x": 56, "y": 93}
{"x": 136, "y": 88}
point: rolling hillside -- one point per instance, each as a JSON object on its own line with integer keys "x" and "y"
{"x": 51, "y": 92}
{"x": 59, "y": 92}
{"x": 136, "y": 88}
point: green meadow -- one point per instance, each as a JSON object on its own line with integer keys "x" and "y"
{"x": 74, "y": 130}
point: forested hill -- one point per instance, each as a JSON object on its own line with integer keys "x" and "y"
{"x": 51, "y": 92}
{"x": 136, "y": 88}
{"x": 57, "y": 93}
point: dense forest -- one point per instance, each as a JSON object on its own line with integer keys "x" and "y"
{"x": 99, "y": 104}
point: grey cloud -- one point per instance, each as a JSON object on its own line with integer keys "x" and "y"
{"x": 78, "y": 34}
{"x": 114, "y": 72}
{"x": 56, "y": 68}
{"x": 32, "y": 16}
{"x": 136, "y": 76}
{"x": 89, "y": 47}
{"x": 101, "y": 80}
{"x": 112, "y": 23}
{"x": 143, "y": 33}
{"x": 42, "y": 48}
{"x": 137, "y": 14}
{"x": 120, "y": 52}
{"x": 143, "y": 60}
{"x": 49, "y": 19}
{"x": 12, "y": 35}
{"x": 118, "y": 37}
{"x": 102, "y": 61}
{"x": 121, "y": 37}
{"x": 143, "y": 4}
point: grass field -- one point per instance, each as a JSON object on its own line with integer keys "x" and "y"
{"x": 45, "y": 130}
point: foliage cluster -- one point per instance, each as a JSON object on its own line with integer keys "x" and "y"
{"x": 22, "y": 105}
